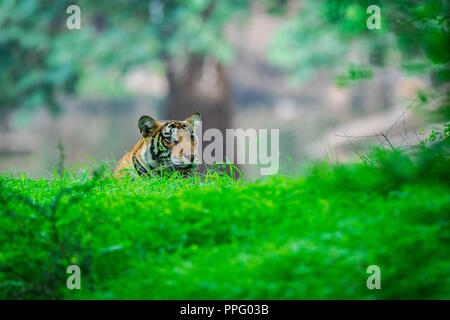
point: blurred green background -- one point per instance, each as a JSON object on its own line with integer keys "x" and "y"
{"x": 313, "y": 69}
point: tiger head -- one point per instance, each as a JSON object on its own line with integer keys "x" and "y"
{"x": 170, "y": 144}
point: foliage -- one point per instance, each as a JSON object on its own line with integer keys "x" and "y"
{"x": 41, "y": 58}
{"x": 323, "y": 33}
{"x": 436, "y": 135}
{"x": 27, "y": 77}
{"x": 212, "y": 237}
{"x": 355, "y": 73}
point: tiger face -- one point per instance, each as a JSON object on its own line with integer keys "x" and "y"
{"x": 169, "y": 145}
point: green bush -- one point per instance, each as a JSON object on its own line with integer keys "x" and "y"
{"x": 213, "y": 238}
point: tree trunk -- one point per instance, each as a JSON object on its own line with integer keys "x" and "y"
{"x": 4, "y": 120}
{"x": 200, "y": 84}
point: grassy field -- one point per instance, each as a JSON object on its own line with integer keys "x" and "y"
{"x": 309, "y": 237}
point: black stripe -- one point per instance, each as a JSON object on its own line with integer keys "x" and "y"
{"x": 154, "y": 146}
{"x": 140, "y": 169}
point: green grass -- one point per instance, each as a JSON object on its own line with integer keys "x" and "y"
{"x": 284, "y": 237}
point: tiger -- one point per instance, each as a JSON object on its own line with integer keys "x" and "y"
{"x": 168, "y": 145}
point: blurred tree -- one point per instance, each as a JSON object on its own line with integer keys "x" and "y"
{"x": 321, "y": 34}
{"x": 40, "y": 57}
{"x": 27, "y": 78}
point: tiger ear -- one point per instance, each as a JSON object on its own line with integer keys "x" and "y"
{"x": 147, "y": 126}
{"x": 192, "y": 119}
